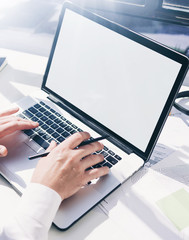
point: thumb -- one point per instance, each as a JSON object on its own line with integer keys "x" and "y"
{"x": 3, "y": 151}
{"x": 52, "y": 145}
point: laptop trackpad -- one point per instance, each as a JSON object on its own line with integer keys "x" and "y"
{"x": 15, "y": 166}
{"x": 74, "y": 207}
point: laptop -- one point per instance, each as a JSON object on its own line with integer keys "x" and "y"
{"x": 104, "y": 79}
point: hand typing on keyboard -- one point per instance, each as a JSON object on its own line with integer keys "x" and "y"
{"x": 10, "y": 123}
{"x": 54, "y": 126}
{"x": 67, "y": 169}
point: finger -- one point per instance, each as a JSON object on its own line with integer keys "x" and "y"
{"x": 52, "y": 145}
{"x": 95, "y": 173}
{"x": 10, "y": 119}
{"x": 91, "y": 160}
{"x": 9, "y": 111}
{"x": 89, "y": 149}
{"x": 13, "y": 126}
{"x": 3, "y": 151}
{"x": 74, "y": 140}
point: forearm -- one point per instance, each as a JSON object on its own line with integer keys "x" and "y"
{"x": 34, "y": 216}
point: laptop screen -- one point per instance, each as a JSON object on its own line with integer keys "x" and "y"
{"x": 115, "y": 80}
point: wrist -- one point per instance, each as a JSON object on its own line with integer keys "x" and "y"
{"x": 45, "y": 202}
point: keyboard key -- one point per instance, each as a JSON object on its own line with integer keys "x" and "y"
{"x": 97, "y": 166}
{"x": 68, "y": 122}
{"x": 99, "y": 151}
{"x": 52, "y": 117}
{"x": 107, "y": 165}
{"x": 105, "y": 154}
{"x": 42, "y": 109}
{"x": 44, "y": 118}
{"x": 57, "y": 120}
{"x": 29, "y": 132}
{"x": 50, "y": 130}
{"x": 105, "y": 148}
{"x": 60, "y": 130}
{"x": 79, "y": 130}
{"x": 28, "y": 114}
{"x": 38, "y": 114}
{"x": 62, "y": 124}
{"x": 42, "y": 103}
{"x": 111, "y": 160}
{"x": 68, "y": 128}
{"x": 73, "y": 131}
{"x": 51, "y": 139}
{"x": 33, "y": 110}
{"x": 118, "y": 157}
{"x": 40, "y": 131}
{"x": 40, "y": 122}
{"x": 45, "y": 145}
{"x": 49, "y": 122}
{"x": 47, "y": 113}
{"x": 37, "y": 106}
{"x": 111, "y": 152}
{"x": 65, "y": 134}
{"x": 34, "y": 119}
{"x": 40, "y": 141}
{"x": 46, "y": 136}
{"x": 52, "y": 110}
{"x": 55, "y": 135}
{"x": 54, "y": 126}
{"x": 74, "y": 126}
{"x": 44, "y": 126}
{"x": 47, "y": 106}
{"x": 63, "y": 118}
{"x": 61, "y": 139}
{"x": 57, "y": 114}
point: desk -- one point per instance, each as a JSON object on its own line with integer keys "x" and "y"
{"x": 130, "y": 207}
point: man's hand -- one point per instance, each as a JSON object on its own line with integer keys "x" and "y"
{"x": 64, "y": 169}
{"x": 10, "y": 123}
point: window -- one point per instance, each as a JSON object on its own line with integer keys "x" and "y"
{"x": 133, "y": 2}
{"x": 175, "y": 11}
{"x": 181, "y": 5}
{"x": 166, "y": 21}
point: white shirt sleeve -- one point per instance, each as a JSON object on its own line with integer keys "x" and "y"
{"x": 34, "y": 215}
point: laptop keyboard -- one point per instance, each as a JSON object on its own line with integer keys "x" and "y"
{"x": 53, "y": 126}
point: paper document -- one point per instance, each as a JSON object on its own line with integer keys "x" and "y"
{"x": 176, "y": 207}
{"x": 160, "y": 152}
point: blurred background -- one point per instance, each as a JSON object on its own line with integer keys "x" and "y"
{"x": 29, "y": 25}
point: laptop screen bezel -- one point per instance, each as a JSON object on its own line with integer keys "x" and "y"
{"x": 116, "y": 139}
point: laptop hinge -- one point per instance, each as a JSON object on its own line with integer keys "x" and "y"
{"x": 89, "y": 123}
{"x": 53, "y": 98}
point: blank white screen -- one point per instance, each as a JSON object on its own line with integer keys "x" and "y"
{"x": 115, "y": 80}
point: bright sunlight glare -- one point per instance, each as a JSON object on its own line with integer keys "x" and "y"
{"x": 10, "y": 3}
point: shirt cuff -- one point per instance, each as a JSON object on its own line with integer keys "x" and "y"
{"x": 40, "y": 203}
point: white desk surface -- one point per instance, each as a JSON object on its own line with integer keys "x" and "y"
{"x": 131, "y": 211}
